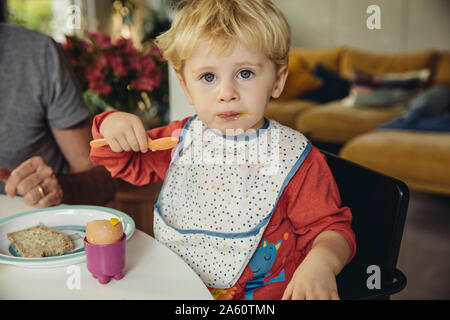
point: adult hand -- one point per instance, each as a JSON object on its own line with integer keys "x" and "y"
{"x": 35, "y": 181}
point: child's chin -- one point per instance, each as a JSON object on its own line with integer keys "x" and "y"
{"x": 239, "y": 132}
{"x": 230, "y": 129}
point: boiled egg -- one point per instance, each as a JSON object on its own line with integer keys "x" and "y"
{"x": 103, "y": 232}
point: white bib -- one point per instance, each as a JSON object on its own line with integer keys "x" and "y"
{"x": 220, "y": 192}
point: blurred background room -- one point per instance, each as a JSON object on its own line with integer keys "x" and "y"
{"x": 368, "y": 80}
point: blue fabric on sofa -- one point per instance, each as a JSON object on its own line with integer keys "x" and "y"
{"x": 428, "y": 111}
{"x": 334, "y": 87}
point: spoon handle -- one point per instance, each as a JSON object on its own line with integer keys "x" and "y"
{"x": 157, "y": 144}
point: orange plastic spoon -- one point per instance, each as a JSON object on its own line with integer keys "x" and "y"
{"x": 157, "y": 144}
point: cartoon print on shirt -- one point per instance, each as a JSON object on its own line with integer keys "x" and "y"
{"x": 260, "y": 264}
{"x": 223, "y": 294}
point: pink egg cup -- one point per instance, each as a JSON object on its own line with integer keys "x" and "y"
{"x": 106, "y": 261}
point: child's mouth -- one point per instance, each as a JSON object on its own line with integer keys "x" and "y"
{"x": 231, "y": 115}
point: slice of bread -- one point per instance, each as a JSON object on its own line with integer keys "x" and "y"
{"x": 40, "y": 241}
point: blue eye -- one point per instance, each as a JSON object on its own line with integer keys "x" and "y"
{"x": 208, "y": 77}
{"x": 245, "y": 74}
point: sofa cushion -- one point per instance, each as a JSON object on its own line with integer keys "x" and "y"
{"x": 442, "y": 69}
{"x": 385, "y": 90}
{"x": 286, "y": 112}
{"x": 420, "y": 159}
{"x": 300, "y": 79}
{"x": 336, "y": 123}
{"x": 327, "y": 57}
{"x": 403, "y": 80}
{"x": 385, "y": 62}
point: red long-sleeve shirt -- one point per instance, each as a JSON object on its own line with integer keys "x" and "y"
{"x": 309, "y": 205}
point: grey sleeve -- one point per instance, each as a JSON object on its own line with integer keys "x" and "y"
{"x": 62, "y": 96}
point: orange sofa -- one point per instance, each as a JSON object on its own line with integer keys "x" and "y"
{"x": 420, "y": 159}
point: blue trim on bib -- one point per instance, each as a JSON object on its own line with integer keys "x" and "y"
{"x": 181, "y": 141}
{"x": 177, "y": 153}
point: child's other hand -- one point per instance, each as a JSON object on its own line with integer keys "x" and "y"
{"x": 124, "y": 132}
{"x": 312, "y": 280}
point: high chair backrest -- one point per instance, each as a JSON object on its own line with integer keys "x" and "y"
{"x": 378, "y": 204}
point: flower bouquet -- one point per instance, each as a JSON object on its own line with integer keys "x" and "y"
{"x": 118, "y": 76}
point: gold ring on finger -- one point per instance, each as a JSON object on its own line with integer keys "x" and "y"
{"x": 41, "y": 191}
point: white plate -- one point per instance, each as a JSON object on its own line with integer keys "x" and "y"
{"x": 71, "y": 220}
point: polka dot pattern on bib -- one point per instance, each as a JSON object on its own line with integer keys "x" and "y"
{"x": 230, "y": 197}
{"x": 213, "y": 211}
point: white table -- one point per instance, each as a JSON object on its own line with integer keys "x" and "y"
{"x": 152, "y": 271}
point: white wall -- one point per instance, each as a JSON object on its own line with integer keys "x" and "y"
{"x": 406, "y": 25}
{"x": 179, "y": 107}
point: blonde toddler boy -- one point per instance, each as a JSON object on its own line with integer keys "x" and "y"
{"x": 267, "y": 225}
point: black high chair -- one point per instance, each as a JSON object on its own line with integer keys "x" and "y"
{"x": 379, "y": 204}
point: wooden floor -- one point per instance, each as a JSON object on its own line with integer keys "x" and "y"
{"x": 425, "y": 249}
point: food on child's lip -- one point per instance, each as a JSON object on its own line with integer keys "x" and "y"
{"x": 232, "y": 115}
{"x": 101, "y": 232}
{"x": 40, "y": 241}
{"x": 157, "y": 144}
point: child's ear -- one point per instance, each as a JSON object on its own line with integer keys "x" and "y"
{"x": 282, "y": 73}
{"x": 185, "y": 88}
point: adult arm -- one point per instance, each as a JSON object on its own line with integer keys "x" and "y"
{"x": 85, "y": 184}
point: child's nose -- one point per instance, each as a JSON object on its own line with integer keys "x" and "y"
{"x": 228, "y": 92}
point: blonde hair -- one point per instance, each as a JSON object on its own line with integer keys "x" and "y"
{"x": 254, "y": 23}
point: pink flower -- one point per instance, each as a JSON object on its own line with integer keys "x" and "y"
{"x": 116, "y": 62}
{"x": 105, "y": 66}
{"x": 101, "y": 62}
{"x": 102, "y": 41}
{"x": 100, "y": 88}
{"x": 142, "y": 84}
{"x": 94, "y": 75}
{"x": 97, "y": 83}
{"x": 157, "y": 53}
{"x": 126, "y": 46}
{"x": 147, "y": 64}
{"x": 147, "y": 82}
{"x": 96, "y": 78}
{"x": 134, "y": 61}
{"x": 96, "y": 67}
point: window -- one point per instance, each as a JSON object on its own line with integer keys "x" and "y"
{"x": 52, "y": 17}
{"x": 33, "y": 14}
